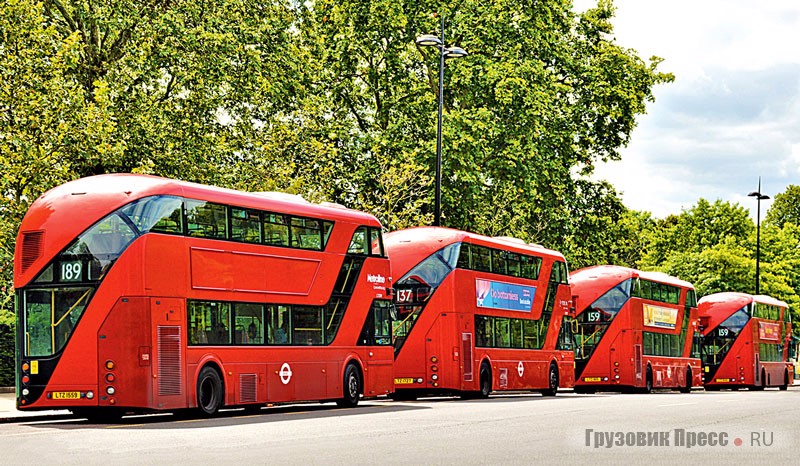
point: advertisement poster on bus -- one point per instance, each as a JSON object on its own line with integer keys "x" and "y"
{"x": 769, "y": 331}
{"x": 661, "y": 317}
{"x": 506, "y": 296}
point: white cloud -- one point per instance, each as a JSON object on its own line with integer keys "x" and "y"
{"x": 733, "y": 113}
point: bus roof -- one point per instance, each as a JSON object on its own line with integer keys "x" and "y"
{"x": 66, "y": 211}
{"x": 591, "y": 282}
{"x": 719, "y": 306}
{"x": 406, "y": 248}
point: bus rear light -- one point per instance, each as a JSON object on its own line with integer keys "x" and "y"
{"x": 435, "y": 377}
{"x": 434, "y": 359}
{"x": 434, "y": 368}
{"x": 110, "y": 390}
{"x": 25, "y": 379}
{"x": 25, "y": 366}
{"x": 435, "y": 384}
{"x": 741, "y": 368}
{"x": 112, "y": 401}
{"x": 616, "y": 370}
{"x": 89, "y": 395}
{"x": 110, "y": 377}
{"x": 616, "y": 377}
{"x": 110, "y": 365}
{"x": 616, "y": 363}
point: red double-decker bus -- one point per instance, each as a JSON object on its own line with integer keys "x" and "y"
{"x": 634, "y": 330}
{"x": 140, "y": 293}
{"x": 746, "y": 341}
{"x": 477, "y": 314}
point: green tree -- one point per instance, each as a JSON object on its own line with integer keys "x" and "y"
{"x": 543, "y": 93}
{"x": 701, "y": 227}
{"x": 785, "y": 208}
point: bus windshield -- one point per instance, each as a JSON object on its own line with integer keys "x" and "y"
{"x": 718, "y": 342}
{"x": 56, "y": 300}
{"x": 415, "y": 287}
{"x": 595, "y": 319}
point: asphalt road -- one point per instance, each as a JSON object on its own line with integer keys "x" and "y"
{"x": 662, "y": 428}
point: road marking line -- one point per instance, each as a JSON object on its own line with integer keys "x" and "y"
{"x": 124, "y": 425}
{"x": 192, "y": 420}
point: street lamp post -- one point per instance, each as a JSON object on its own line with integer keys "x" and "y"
{"x": 430, "y": 40}
{"x": 759, "y": 197}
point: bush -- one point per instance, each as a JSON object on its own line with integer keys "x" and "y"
{"x": 6, "y": 356}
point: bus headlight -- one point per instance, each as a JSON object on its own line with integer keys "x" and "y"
{"x": 435, "y": 377}
{"x": 110, "y": 390}
{"x": 25, "y": 392}
{"x": 89, "y": 395}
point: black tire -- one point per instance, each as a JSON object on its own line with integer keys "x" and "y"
{"x": 552, "y": 381}
{"x": 688, "y": 387}
{"x": 486, "y": 380}
{"x": 785, "y": 385}
{"x": 99, "y": 415}
{"x": 648, "y": 380}
{"x": 584, "y": 390}
{"x": 351, "y": 387}
{"x": 209, "y": 391}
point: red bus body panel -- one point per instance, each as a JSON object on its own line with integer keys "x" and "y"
{"x": 742, "y": 367}
{"x": 137, "y": 318}
{"x": 445, "y": 329}
{"x": 618, "y": 362}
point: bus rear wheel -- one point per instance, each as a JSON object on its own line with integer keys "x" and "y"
{"x": 785, "y": 385}
{"x": 688, "y": 387}
{"x": 552, "y": 381}
{"x": 648, "y": 380}
{"x": 486, "y": 380}
{"x": 209, "y": 391}
{"x": 351, "y": 389}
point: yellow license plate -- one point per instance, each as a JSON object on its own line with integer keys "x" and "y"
{"x": 403, "y": 381}
{"x": 723, "y": 380}
{"x": 592, "y": 379}
{"x": 65, "y": 395}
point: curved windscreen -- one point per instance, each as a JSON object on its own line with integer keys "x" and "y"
{"x": 718, "y": 342}
{"x": 415, "y": 287}
{"x": 595, "y": 319}
{"x": 60, "y": 293}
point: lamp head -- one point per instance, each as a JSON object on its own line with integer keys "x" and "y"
{"x": 454, "y": 52}
{"x": 428, "y": 40}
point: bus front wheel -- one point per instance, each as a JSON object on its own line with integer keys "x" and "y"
{"x": 209, "y": 391}
{"x": 486, "y": 380}
{"x": 785, "y": 385}
{"x": 552, "y": 381}
{"x": 351, "y": 388}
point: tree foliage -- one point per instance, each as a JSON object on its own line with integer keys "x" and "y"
{"x": 335, "y": 101}
{"x": 786, "y": 208}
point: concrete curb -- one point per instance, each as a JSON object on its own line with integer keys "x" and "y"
{"x": 7, "y": 390}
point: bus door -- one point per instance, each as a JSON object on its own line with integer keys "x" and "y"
{"x": 439, "y": 352}
{"x": 168, "y": 363}
{"x": 463, "y": 355}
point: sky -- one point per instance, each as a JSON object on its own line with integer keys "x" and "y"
{"x": 731, "y": 115}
